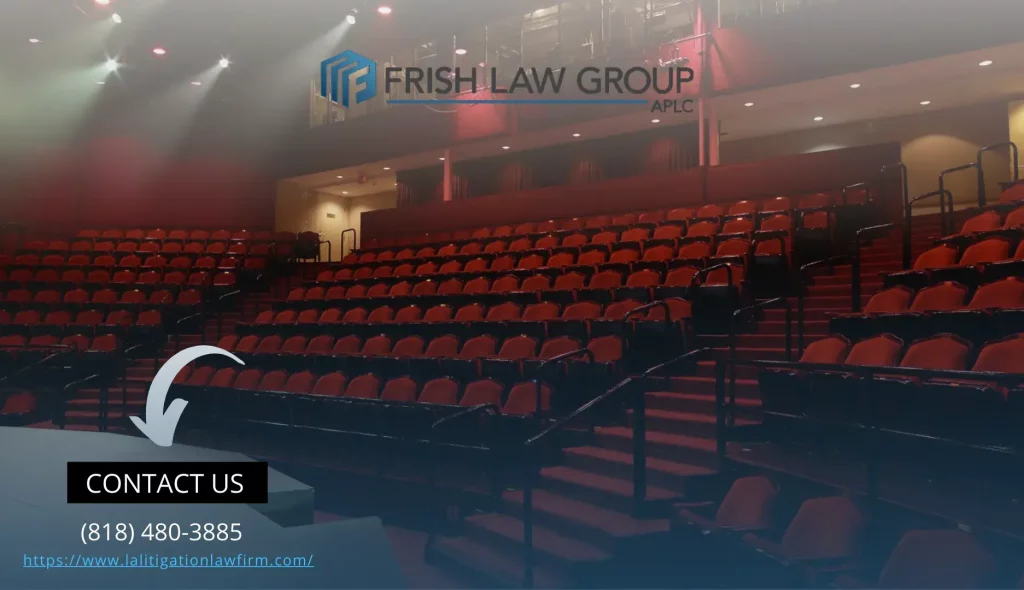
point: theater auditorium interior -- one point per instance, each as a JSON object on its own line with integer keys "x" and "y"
{"x": 772, "y": 340}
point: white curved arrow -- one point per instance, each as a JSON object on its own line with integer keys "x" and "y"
{"x": 159, "y": 425}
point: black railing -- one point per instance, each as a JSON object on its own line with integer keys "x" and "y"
{"x": 942, "y": 183}
{"x": 355, "y": 238}
{"x": 60, "y": 412}
{"x": 945, "y": 223}
{"x": 537, "y": 378}
{"x": 742, "y": 314}
{"x": 625, "y": 387}
{"x": 905, "y": 200}
{"x": 848, "y": 188}
{"x": 701, "y": 276}
{"x": 802, "y": 292}
{"x": 982, "y": 197}
{"x": 862, "y": 234}
{"x": 220, "y": 314}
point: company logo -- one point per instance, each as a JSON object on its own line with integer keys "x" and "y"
{"x": 343, "y": 68}
{"x": 454, "y": 85}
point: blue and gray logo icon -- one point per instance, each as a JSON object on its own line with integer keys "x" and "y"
{"x": 346, "y": 66}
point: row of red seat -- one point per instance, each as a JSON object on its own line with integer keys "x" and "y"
{"x": 102, "y": 297}
{"x": 182, "y": 235}
{"x": 682, "y": 276}
{"x": 89, "y": 318}
{"x": 746, "y": 207}
{"x": 474, "y": 312}
{"x": 673, "y": 235}
{"x": 53, "y": 257}
{"x": 108, "y": 343}
{"x": 518, "y": 400}
{"x": 606, "y": 349}
{"x": 153, "y": 276}
{"x": 54, "y": 262}
{"x": 697, "y": 253}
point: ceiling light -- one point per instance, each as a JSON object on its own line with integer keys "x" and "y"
{"x": 33, "y": 40}
{"x": 111, "y": 65}
{"x": 350, "y": 19}
{"x": 344, "y": 192}
{"x": 655, "y": 120}
{"x": 925, "y": 103}
{"x": 224, "y": 62}
{"x": 116, "y": 18}
{"x": 340, "y": 176}
{"x": 102, "y": 2}
{"x": 441, "y": 158}
{"x": 196, "y": 83}
{"x": 748, "y": 104}
{"x": 855, "y": 86}
{"x": 384, "y": 9}
{"x": 505, "y": 147}
{"x": 159, "y": 51}
{"x": 987, "y": 62}
{"x": 387, "y": 168}
{"x": 575, "y": 134}
{"x": 819, "y": 118}
{"x": 460, "y": 51}
{"x": 100, "y": 82}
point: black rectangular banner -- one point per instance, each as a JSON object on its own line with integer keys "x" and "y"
{"x": 167, "y": 483}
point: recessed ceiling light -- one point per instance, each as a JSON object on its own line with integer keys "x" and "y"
{"x": 197, "y": 83}
{"x": 340, "y": 176}
{"x": 350, "y": 19}
{"x": 987, "y": 62}
{"x": 441, "y": 158}
{"x": 159, "y": 51}
{"x": 387, "y": 167}
{"x": 505, "y": 147}
{"x": 925, "y": 103}
{"x": 116, "y": 18}
{"x": 460, "y": 51}
{"x": 655, "y": 120}
{"x": 854, "y": 86}
{"x": 33, "y": 40}
{"x": 111, "y": 65}
{"x": 344, "y": 192}
{"x": 748, "y": 104}
{"x": 819, "y": 118}
{"x": 102, "y": 2}
{"x": 100, "y": 82}
{"x": 224, "y": 62}
{"x": 384, "y": 9}
{"x": 575, "y": 134}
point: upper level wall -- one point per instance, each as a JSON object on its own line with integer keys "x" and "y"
{"x": 821, "y": 41}
{"x": 726, "y": 184}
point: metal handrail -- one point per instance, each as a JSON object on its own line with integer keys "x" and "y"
{"x": 341, "y": 246}
{"x": 64, "y": 349}
{"x": 75, "y": 385}
{"x": 904, "y": 198}
{"x": 855, "y": 270}
{"x": 831, "y": 262}
{"x": 945, "y": 223}
{"x": 466, "y": 412}
{"x": 982, "y": 197}
{"x": 750, "y": 309}
{"x": 942, "y": 186}
{"x": 702, "y": 274}
{"x": 220, "y": 313}
{"x": 537, "y": 409}
{"x": 864, "y": 185}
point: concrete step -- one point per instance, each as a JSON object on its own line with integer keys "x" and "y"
{"x": 755, "y": 340}
{"x": 673, "y": 447}
{"x": 706, "y": 386}
{"x": 697, "y": 424}
{"x": 609, "y": 463}
{"x": 602, "y": 527}
{"x": 703, "y": 403}
{"x": 486, "y": 566}
{"x": 811, "y": 328}
{"x": 594, "y": 488}
{"x": 505, "y": 532}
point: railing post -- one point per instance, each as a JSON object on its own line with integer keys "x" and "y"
{"x": 720, "y": 438}
{"x": 789, "y": 331}
{"x": 528, "y": 525}
{"x": 982, "y": 191}
{"x": 639, "y": 447}
{"x": 855, "y": 279}
{"x": 907, "y": 244}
